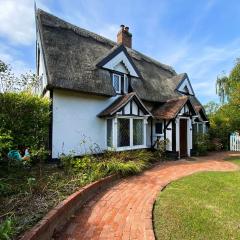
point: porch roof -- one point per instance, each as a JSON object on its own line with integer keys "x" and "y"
{"x": 120, "y": 102}
{"x": 171, "y": 108}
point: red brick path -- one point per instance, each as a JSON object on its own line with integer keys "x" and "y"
{"x": 124, "y": 211}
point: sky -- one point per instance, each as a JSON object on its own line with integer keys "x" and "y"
{"x": 201, "y": 38}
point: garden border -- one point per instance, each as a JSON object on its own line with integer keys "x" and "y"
{"x": 56, "y": 218}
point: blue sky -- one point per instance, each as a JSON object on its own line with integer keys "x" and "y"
{"x": 201, "y": 38}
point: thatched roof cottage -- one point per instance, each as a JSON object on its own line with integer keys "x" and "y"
{"x": 106, "y": 95}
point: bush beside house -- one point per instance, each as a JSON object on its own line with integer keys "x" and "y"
{"x": 24, "y": 121}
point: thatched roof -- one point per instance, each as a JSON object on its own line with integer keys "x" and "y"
{"x": 71, "y": 54}
{"x": 199, "y": 108}
{"x": 120, "y": 102}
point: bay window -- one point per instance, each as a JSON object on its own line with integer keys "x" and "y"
{"x": 125, "y": 133}
{"x": 109, "y": 132}
{"x": 138, "y": 131}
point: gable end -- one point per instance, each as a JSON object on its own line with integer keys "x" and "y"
{"x": 119, "y": 55}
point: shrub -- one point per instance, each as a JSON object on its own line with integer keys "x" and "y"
{"x": 26, "y": 116}
{"x": 135, "y": 155}
{"x": 201, "y": 144}
{"x": 123, "y": 163}
{"x": 5, "y": 142}
{"x": 66, "y": 162}
{"x": 7, "y": 229}
{"x": 123, "y": 168}
{"x": 126, "y": 163}
{"x": 160, "y": 147}
{"x": 5, "y": 189}
{"x": 215, "y": 144}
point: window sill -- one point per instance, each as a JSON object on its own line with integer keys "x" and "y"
{"x": 130, "y": 147}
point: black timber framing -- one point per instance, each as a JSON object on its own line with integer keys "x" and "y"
{"x": 115, "y": 53}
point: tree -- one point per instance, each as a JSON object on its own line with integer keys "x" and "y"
{"x": 3, "y": 66}
{"x": 227, "y": 87}
{"x": 11, "y": 83}
{"x": 226, "y": 118}
{"x": 211, "y": 108}
{"x": 222, "y": 87}
{"x": 234, "y": 84}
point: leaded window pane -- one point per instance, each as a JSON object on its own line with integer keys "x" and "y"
{"x": 116, "y": 82}
{"x": 138, "y": 132}
{"x": 109, "y": 132}
{"x": 200, "y": 128}
{"x": 126, "y": 83}
{"x": 123, "y": 132}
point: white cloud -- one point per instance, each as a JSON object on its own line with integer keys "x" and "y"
{"x": 13, "y": 57}
{"x": 205, "y": 65}
{"x": 109, "y": 31}
{"x": 17, "y": 21}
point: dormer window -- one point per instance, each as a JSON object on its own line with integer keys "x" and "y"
{"x": 117, "y": 82}
{"x": 120, "y": 83}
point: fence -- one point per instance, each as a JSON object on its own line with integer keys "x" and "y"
{"x": 235, "y": 142}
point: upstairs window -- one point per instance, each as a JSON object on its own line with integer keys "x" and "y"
{"x": 126, "y": 84}
{"x": 117, "y": 83}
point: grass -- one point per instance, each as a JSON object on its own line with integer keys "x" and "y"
{"x": 201, "y": 206}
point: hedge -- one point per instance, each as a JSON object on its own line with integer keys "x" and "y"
{"x": 25, "y": 117}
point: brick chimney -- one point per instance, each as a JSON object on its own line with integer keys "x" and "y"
{"x": 124, "y": 37}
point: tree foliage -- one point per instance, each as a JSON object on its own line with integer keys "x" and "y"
{"x": 211, "y": 108}
{"x": 11, "y": 83}
{"x": 227, "y": 87}
{"x": 222, "y": 87}
{"x": 25, "y": 117}
{"x": 225, "y": 119}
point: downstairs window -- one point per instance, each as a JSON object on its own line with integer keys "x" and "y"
{"x": 123, "y": 132}
{"x": 138, "y": 137}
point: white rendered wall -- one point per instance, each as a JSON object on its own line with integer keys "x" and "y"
{"x": 127, "y": 108}
{"x": 134, "y": 108}
{"x": 75, "y": 116}
{"x": 169, "y": 137}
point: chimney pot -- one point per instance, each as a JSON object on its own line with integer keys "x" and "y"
{"x": 124, "y": 37}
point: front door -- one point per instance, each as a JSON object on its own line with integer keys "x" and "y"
{"x": 183, "y": 138}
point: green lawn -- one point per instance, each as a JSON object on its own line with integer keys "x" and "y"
{"x": 201, "y": 206}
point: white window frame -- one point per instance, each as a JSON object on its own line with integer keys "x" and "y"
{"x": 119, "y": 82}
{"x": 131, "y": 147}
{"x": 126, "y": 83}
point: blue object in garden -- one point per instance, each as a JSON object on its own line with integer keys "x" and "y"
{"x": 14, "y": 154}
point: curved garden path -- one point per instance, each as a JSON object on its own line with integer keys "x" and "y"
{"x": 124, "y": 211}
